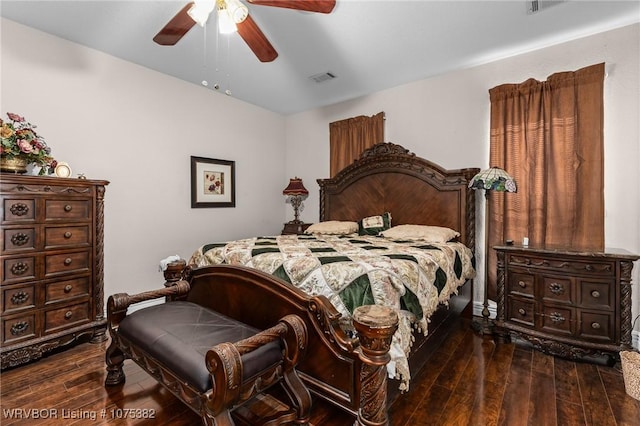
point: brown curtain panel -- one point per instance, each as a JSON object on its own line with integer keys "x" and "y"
{"x": 348, "y": 138}
{"x": 549, "y": 136}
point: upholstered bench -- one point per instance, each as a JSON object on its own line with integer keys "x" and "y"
{"x": 211, "y": 362}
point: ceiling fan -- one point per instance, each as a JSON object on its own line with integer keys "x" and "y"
{"x": 234, "y": 16}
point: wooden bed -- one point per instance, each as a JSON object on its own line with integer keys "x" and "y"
{"x": 386, "y": 178}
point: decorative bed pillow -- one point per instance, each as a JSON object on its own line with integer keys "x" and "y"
{"x": 431, "y": 234}
{"x": 333, "y": 227}
{"x": 373, "y": 225}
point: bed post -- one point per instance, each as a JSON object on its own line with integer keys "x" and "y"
{"x": 375, "y": 325}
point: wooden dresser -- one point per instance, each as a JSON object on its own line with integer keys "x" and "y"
{"x": 572, "y": 304}
{"x": 51, "y": 284}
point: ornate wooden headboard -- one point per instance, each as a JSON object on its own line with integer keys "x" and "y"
{"x": 389, "y": 178}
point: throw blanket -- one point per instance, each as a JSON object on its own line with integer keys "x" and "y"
{"x": 411, "y": 276}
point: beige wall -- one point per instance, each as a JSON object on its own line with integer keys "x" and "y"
{"x": 115, "y": 120}
{"x": 446, "y": 119}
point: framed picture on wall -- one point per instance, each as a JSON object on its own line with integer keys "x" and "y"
{"x": 212, "y": 182}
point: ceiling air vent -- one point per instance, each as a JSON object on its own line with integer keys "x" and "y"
{"x": 535, "y": 6}
{"x": 319, "y": 78}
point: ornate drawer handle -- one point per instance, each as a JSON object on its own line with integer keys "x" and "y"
{"x": 556, "y": 288}
{"x": 19, "y": 209}
{"x": 67, "y": 234}
{"x": 68, "y": 314}
{"x": 67, "y": 261}
{"x": 595, "y": 293}
{"x": 522, "y": 311}
{"x": 19, "y": 328}
{"x": 522, "y": 284}
{"x": 19, "y": 239}
{"x": 68, "y": 208}
{"x": 595, "y": 325}
{"x": 68, "y": 288}
{"x": 19, "y": 268}
{"x": 20, "y": 297}
{"x": 557, "y": 317}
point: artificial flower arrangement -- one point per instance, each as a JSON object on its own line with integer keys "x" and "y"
{"x": 20, "y": 141}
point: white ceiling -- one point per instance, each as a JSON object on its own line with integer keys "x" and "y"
{"x": 368, "y": 45}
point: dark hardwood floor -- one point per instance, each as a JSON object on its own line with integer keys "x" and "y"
{"x": 470, "y": 381}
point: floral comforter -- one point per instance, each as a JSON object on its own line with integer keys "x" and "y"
{"x": 411, "y": 276}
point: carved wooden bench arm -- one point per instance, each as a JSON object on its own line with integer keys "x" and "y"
{"x": 224, "y": 362}
{"x": 118, "y": 303}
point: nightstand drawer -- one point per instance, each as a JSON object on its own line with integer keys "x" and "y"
{"x": 596, "y": 326}
{"x": 557, "y": 289}
{"x": 557, "y": 320}
{"x": 521, "y": 284}
{"x": 596, "y": 294}
{"x": 521, "y": 311}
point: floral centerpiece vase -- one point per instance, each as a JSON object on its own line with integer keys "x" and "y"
{"x": 21, "y": 146}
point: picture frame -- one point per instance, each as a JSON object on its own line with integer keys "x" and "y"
{"x": 213, "y": 182}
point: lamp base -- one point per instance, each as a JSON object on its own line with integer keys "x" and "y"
{"x": 483, "y": 326}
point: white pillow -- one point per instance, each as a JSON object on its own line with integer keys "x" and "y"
{"x": 432, "y": 234}
{"x": 333, "y": 227}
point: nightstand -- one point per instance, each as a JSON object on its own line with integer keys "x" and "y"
{"x": 293, "y": 228}
{"x": 573, "y": 304}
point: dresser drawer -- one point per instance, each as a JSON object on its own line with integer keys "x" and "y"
{"x": 18, "y": 239}
{"x": 596, "y": 294}
{"x": 556, "y": 289}
{"x": 18, "y": 210}
{"x": 65, "y": 317}
{"x": 521, "y": 284}
{"x": 18, "y": 269}
{"x": 66, "y": 236}
{"x": 18, "y": 328}
{"x": 17, "y": 298}
{"x": 557, "y": 320}
{"x": 521, "y": 311}
{"x": 66, "y": 289}
{"x": 67, "y": 209}
{"x": 66, "y": 262}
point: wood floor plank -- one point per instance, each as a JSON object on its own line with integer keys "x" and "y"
{"x": 514, "y": 410}
{"x": 625, "y": 408}
{"x": 568, "y": 413}
{"x": 542, "y": 398}
{"x": 566, "y": 377}
{"x": 597, "y": 411}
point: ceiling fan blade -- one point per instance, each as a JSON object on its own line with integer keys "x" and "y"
{"x": 256, "y": 40}
{"x": 176, "y": 28}
{"x": 320, "y": 6}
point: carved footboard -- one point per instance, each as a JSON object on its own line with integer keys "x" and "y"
{"x": 349, "y": 372}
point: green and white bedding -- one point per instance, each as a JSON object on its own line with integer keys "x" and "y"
{"x": 411, "y": 276}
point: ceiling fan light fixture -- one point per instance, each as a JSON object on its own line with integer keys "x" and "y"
{"x": 237, "y": 10}
{"x": 225, "y": 21}
{"x": 200, "y": 11}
